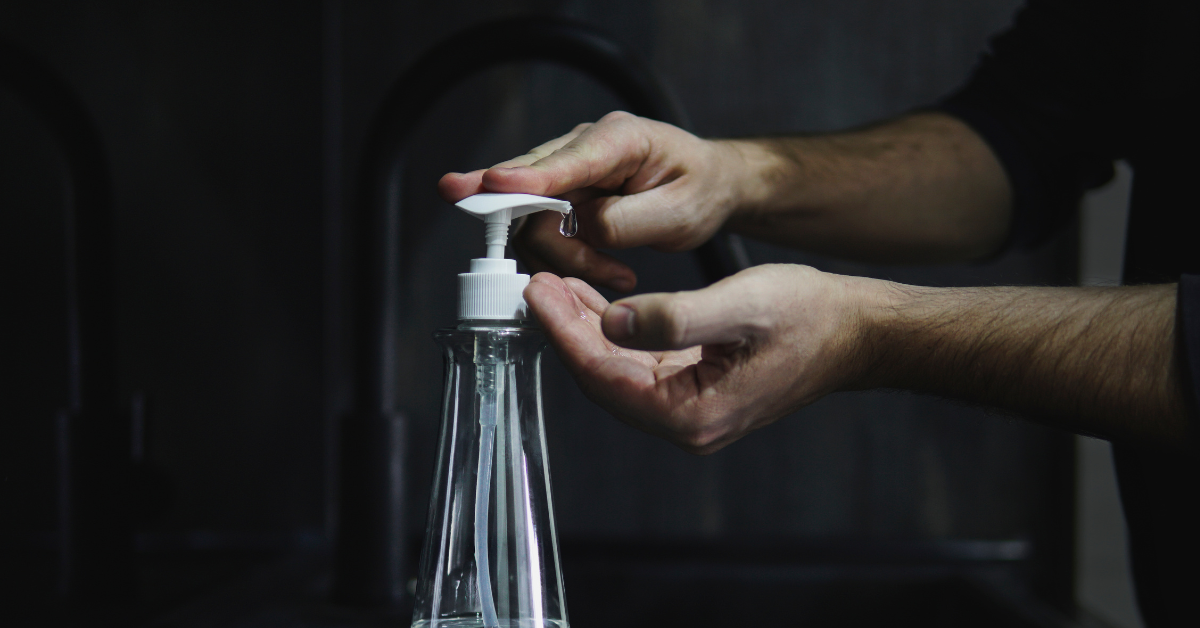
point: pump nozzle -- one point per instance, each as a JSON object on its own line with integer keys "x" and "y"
{"x": 498, "y": 211}
{"x": 492, "y": 290}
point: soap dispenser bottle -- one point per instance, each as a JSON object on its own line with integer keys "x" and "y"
{"x": 490, "y": 558}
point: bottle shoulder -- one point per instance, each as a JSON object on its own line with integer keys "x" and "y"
{"x": 473, "y": 333}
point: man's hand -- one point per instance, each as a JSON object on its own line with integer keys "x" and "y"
{"x": 633, "y": 182}
{"x": 920, "y": 188}
{"x": 704, "y": 368}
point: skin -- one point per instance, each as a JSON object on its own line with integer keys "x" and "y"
{"x": 716, "y": 381}
{"x": 704, "y": 368}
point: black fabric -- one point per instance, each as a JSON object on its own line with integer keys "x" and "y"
{"x": 1071, "y": 87}
{"x": 1157, "y": 493}
{"x": 1187, "y": 298}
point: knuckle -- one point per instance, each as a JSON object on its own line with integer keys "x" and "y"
{"x": 618, "y": 116}
{"x": 575, "y": 150}
{"x": 674, "y": 322}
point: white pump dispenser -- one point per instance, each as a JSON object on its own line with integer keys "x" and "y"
{"x": 492, "y": 290}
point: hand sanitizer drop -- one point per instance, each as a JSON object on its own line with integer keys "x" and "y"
{"x": 570, "y": 224}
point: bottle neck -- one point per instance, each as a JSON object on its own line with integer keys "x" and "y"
{"x": 484, "y": 324}
{"x": 522, "y": 338}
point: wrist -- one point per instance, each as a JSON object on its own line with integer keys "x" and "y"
{"x": 883, "y": 313}
{"x": 759, "y": 177}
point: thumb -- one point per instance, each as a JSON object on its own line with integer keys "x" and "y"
{"x": 724, "y": 313}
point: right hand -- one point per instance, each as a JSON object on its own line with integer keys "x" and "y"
{"x": 706, "y": 367}
{"x": 632, "y": 181}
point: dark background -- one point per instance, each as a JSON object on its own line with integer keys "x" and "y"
{"x": 233, "y": 131}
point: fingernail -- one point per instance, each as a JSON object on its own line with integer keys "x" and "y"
{"x": 624, "y": 322}
{"x": 621, "y": 284}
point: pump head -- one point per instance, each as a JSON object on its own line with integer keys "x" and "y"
{"x": 492, "y": 290}
{"x": 499, "y": 210}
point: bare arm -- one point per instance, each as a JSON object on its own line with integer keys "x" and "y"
{"x": 919, "y": 188}
{"x": 706, "y": 367}
{"x": 1098, "y": 361}
{"x": 738, "y": 355}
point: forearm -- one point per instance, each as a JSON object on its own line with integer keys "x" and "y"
{"x": 919, "y": 188}
{"x": 1092, "y": 360}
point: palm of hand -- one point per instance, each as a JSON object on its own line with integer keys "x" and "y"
{"x": 674, "y": 394}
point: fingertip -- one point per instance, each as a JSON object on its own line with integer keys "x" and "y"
{"x": 623, "y": 283}
{"x": 611, "y": 273}
{"x": 541, "y": 298}
{"x": 546, "y": 278}
{"x": 446, "y": 186}
{"x": 455, "y": 186}
{"x": 619, "y": 322}
{"x": 533, "y": 292}
{"x": 544, "y": 287}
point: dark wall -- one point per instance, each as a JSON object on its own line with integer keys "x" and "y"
{"x": 233, "y": 130}
{"x": 33, "y": 342}
{"x": 210, "y": 113}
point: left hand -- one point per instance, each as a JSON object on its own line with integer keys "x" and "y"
{"x": 706, "y": 367}
{"x": 632, "y": 181}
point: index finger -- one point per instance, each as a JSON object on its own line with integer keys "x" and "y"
{"x": 577, "y": 339}
{"x": 629, "y": 384}
{"x": 455, "y": 186}
{"x": 604, "y": 155}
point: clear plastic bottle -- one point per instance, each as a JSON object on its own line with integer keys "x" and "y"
{"x": 491, "y": 420}
{"x": 491, "y": 552}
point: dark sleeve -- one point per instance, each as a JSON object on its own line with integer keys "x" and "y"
{"x": 1188, "y": 328}
{"x": 1049, "y": 97}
